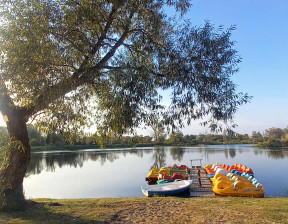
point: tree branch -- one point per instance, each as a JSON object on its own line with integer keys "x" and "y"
{"x": 120, "y": 67}
{"x": 5, "y": 100}
{"x": 7, "y": 106}
{"x": 104, "y": 33}
{"x": 52, "y": 93}
{"x": 112, "y": 50}
{"x": 65, "y": 65}
{"x": 83, "y": 75}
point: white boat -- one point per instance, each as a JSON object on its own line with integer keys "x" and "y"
{"x": 172, "y": 188}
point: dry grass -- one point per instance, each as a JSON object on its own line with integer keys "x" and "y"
{"x": 152, "y": 210}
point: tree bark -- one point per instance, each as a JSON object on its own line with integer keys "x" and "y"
{"x": 14, "y": 162}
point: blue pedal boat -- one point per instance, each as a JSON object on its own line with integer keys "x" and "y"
{"x": 172, "y": 188}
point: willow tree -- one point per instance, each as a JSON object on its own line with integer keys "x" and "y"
{"x": 63, "y": 61}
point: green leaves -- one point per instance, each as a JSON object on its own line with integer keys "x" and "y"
{"x": 65, "y": 62}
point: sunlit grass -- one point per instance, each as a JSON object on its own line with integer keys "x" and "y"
{"x": 152, "y": 210}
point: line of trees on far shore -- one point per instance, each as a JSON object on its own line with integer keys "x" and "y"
{"x": 272, "y": 137}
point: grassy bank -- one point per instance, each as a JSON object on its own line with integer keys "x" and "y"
{"x": 152, "y": 210}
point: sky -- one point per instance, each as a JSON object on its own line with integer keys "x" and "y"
{"x": 262, "y": 42}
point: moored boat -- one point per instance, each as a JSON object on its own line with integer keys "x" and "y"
{"x": 172, "y": 188}
{"x": 235, "y": 185}
{"x": 168, "y": 173}
{"x": 237, "y": 180}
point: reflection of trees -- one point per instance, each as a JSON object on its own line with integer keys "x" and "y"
{"x": 49, "y": 161}
{"x": 36, "y": 164}
{"x": 232, "y": 152}
{"x": 104, "y": 157}
{"x": 226, "y": 153}
{"x": 209, "y": 153}
{"x": 139, "y": 153}
{"x": 159, "y": 157}
{"x": 177, "y": 153}
{"x": 273, "y": 153}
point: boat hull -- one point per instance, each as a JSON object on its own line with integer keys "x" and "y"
{"x": 173, "y": 188}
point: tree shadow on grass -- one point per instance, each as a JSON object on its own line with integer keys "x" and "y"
{"x": 39, "y": 213}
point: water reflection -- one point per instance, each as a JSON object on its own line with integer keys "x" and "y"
{"x": 277, "y": 154}
{"x": 177, "y": 153}
{"x": 272, "y": 153}
{"x": 49, "y": 161}
{"x": 229, "y": 152}
{"x": 232, "y": 153}
{"x": 128, "y": 168}
{"x": 159, "y": 158}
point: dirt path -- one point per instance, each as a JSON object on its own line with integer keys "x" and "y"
{"x": 185, "y": 211}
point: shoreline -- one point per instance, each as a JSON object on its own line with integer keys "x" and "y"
{"x": 87, "y": 148}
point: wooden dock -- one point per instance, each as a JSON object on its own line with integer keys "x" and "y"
{"x": 205, "y": 190}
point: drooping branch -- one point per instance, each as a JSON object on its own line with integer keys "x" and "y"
{"x": 83, "y": 75}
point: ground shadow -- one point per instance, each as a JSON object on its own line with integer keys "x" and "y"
{"x": 38, "y": 213}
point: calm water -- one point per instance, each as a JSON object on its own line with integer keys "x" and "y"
{"x": 96, "y": 174}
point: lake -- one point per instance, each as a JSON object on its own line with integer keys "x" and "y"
{"x": 120, "y": 173}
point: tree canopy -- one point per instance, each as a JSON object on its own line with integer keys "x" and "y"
{"x": 63, "y": 61}
{"x": 66, "y": 61}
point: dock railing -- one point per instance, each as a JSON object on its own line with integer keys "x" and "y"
{"x": 194, "y": 160}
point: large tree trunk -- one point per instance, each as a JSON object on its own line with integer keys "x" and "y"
{"x": 14, "y": 162}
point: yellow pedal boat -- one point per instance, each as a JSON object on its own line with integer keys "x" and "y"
{"x": 235, "y": 185}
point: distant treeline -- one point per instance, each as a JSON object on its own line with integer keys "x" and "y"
{"x": 272, "y": 137}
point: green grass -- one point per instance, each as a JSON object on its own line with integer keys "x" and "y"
{"x": 152, "y": 210}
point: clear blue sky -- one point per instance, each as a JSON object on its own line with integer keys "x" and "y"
{"x": 262, "y": 42}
